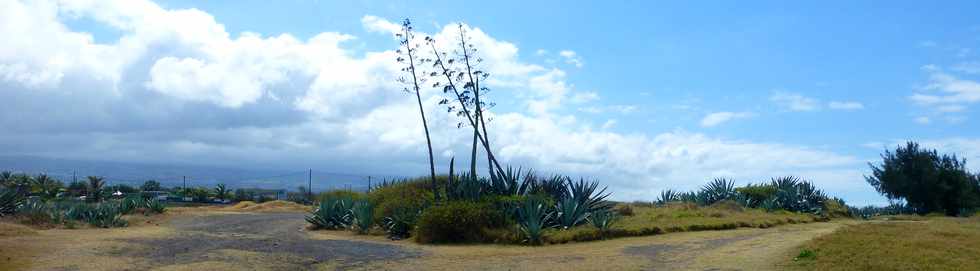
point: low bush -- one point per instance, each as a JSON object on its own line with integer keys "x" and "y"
{"x": 458, "y": 222}
{"x": 9, "y": 201}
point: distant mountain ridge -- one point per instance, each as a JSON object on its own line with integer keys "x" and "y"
{"x": 134, "y": 173}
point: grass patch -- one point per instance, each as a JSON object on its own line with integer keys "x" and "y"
{"x": 933, "y": 243}
{"x": 679, "y": 217}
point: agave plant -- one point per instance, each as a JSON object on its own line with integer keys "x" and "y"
{"x": 9, "y": 201}
{"x": 556, "y": 186}
{"x": 689, "y": 197}
{"x": 465, "y": 186}
{"x": 603, "y": 220}
{"x": 584, "y": 193}
{"x": 667, "y": 196}
{"x": 361, "y": 216}
{"x": 331, "y": 214}
{"x": 506, "y": 182}
{"x": 401, "y": 222}
{"x": 131, "y": 203}
{"x": 154, "y": 206}
{"x": 718, "y": 190}
{"x": 532, "y": 217}
{"x": 570, "y": 213}
{"x": 105, "y": 215}
{"x": 36, "y": 210}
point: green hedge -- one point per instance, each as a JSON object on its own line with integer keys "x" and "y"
{"x": 459, "y": 222}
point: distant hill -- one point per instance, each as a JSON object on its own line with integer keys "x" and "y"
{"x": 173, "y": 174}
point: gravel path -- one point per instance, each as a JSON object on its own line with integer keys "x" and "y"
{"x": 277, "y": 238}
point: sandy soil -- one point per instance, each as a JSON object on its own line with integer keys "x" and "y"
{"x": 227, "y": 239}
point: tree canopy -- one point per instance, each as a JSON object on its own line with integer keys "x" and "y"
{"x": 926, "y": 180}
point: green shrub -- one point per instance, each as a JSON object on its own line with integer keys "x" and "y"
{"x": 458, "y": 222}
{"x": 341, "y": 194}
{"x": 395, "y": 197}
{"x": 755, "y": 195}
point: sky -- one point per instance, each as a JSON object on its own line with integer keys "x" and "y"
{"x": 642, "y": 96}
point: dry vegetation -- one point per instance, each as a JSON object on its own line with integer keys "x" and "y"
{"x": 682, "y": 217}
{"x": 902, "y": 243}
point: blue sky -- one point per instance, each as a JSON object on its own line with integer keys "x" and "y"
{"x": 738, "y": 89}
{"x": 705, "y": 56}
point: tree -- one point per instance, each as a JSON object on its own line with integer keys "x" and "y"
{"x": 151, "y": 185}
{"x": 46, "y": 187}
{"x": 221, "y": 191}
{"x": 77, "y": 188}
{"x": 925, "y": 180}
{"x": 410, "y": 51}
{"x": 95, "y": 184}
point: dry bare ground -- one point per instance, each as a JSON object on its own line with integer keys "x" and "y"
{"x": 229, "y": 239}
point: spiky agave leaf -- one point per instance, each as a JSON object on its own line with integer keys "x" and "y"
{"x": 505, "y": 183}
{"x": 587, "y": 196}
{"x": 401, "y": 222}
{"x": 362, "y": 216}
{"x": 532, "y": 217}
{"x": 9, "y": 201}
{"x": 667, "y": 196}
{"x": 331, "y": 214}
{"x": 570, "y": 213}
{"x": 466, "y": 187}
{"x": 603, "y": 220}
{"x": 718, "y": 190}
{"x": 556, "y": 186}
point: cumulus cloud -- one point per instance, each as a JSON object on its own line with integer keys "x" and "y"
{"x": 717, "y": 118}
{"x": 177, "y": 87}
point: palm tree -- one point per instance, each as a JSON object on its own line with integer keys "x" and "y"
{"x": 95, "y": 184}
{"x": 220, "y": 191}
{"x": 46, "y": 187}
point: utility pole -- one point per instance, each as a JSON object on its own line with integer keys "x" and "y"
{"x": 369, "y": 184}
{"x": 309, "y": 186}
{"x": 74, "y": 179}
{"x": 185, "y": 183}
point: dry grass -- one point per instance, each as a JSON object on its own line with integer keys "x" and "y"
{"x": 270, "y": 206}
{"x": 934, "y": 243}
{"x": 681, "y": 217}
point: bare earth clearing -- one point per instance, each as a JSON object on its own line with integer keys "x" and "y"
{"x": 201, "y": 238}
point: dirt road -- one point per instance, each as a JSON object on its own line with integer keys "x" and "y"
{"x": 277, "y": 241}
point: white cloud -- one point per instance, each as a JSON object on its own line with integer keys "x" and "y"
{"x": 845, "y": 105}
{"x": 717, "y": 118}
{"x": 571, "y": 58}
{"x": 946, "y": 93}
{"x": 377, "y": 24}
{"x": 177, "y": 87}
{"x": 794, "y": 102}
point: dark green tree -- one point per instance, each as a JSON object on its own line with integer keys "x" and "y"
{"x": 151, "y": 185}
{"x": 926, "y": 180}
